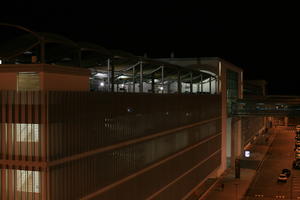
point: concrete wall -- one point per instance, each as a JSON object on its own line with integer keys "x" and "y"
{"x": 8, "y": 81}
{"x": 250, "y": 127}
{"x": 52, "y": 77}
{"x": 69, "y": 82}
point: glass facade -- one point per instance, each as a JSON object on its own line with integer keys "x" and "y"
{"x": 26, "y": 132}
{"x": 28, "y": 81}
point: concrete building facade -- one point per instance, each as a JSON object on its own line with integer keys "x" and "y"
{"x": 131, "y": 128}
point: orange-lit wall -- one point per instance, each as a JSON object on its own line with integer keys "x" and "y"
{"x": 70, "y": 82}
{"x": 8, "y": 81}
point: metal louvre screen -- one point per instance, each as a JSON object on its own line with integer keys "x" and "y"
{"x": 145, "y": 185}
{"x": 106, "y": 168}
{"x": 21, "y": 125}
{"x": 84, "y": 121}
{"x": 23, "y": 145}
{"x": 71, "y": 145}
{"x": 22, "y": 184}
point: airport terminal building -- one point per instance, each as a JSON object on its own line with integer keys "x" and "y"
{"x": 78, "y": 121}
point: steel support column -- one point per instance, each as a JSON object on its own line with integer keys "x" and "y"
{"x": 108, "y": 75}
{"x": 191, "y": 84}
{"x": 112, "y": 78}
{"x": 133, "y": 79}
{"x": 152, "y": 83}
{"x": 210, "y": 85}
{"x": 217, "y": 84}
{"x": 178, "y": 82}
{"x": 201, "y": 80}
{"x": 162, "y": 79}
{"x": 141, "y": 77}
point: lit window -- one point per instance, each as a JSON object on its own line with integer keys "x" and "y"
{"x": 28, "y": 81}
{"x": 28, "y": 181}
{"x": 26, "y": 132}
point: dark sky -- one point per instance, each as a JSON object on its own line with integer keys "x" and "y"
{"x": 263, "y": 39}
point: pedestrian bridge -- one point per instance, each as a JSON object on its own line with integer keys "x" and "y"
{"x": 267, "y": 106}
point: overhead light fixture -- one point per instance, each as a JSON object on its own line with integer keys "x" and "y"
{"x": 27, "y": 53}
{"x": 101, "y": 75}
{"x": 123, "y": 76}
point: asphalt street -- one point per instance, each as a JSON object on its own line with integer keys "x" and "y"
{"x": 281, "y": 155}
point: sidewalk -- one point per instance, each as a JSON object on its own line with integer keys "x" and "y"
{"x": 236, "y": 188}
{"x": 233, "y": 188}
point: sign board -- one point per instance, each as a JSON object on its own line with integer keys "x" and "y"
{"x": 247, "y": 153}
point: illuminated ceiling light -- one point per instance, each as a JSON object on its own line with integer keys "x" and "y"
{"x": 123, "y": 76}
{"x": 129, "y": 109}
{"x": 27, "y": 53}
{"x": 101, "y": 75}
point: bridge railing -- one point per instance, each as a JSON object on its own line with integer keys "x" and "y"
{"x": 264, "y": 108}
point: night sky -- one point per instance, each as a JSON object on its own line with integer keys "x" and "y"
{"x": 261, "y": 39}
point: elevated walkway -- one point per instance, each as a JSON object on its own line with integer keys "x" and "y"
{"x": 267, "y": 106}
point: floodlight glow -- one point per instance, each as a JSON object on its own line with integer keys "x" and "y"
{"x": 0, "y": 62}
{"x": 161, "y": 88}
{"x": 101, "y": 84}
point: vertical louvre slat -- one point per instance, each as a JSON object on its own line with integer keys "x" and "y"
{"x": 4, "y": 126}
{"x": 9, "y": 127}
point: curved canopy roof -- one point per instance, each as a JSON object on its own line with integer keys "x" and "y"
{"x": 26, "y": 42}
{"x": 62, "y": 51}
